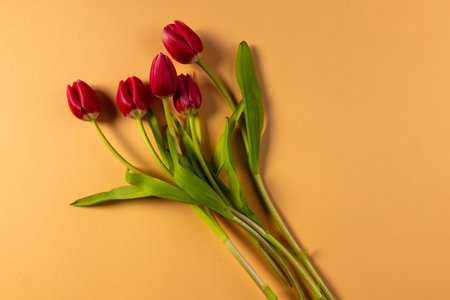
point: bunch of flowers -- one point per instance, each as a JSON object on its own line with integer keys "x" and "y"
{"x": 191, "y": 179}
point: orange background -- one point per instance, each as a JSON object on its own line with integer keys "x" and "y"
{"x": 356, "y": 151}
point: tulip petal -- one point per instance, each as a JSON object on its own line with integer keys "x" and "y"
{"x": 74, "y": 103}
{"x": 163, "y": 76}
{"x": 189, "y": 36}
{"x": 88, "y": 98}
{"x": 194, "y": 95}
{"x": 139, "y": 92}
{"x": 178, "y": 48}
{"x": 123, "y": 99}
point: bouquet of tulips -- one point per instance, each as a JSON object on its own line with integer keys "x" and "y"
{"x": 191, "y": 178}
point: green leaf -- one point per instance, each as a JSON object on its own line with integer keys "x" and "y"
{"x": 200, "y": 191}
{"x": 236, "y": 194}
{"x": 153, "y": 123}
{"x": 189, "y": 146}
{"x": 230, "y": 169}
{"x": 173, "y": 152}
{"x": 198, "y": 128}
{"x": 253, "y": 109}
{"x": 119, "y": 193}
{"x": 217, "y": 160}
{"x": 158, "y": 188}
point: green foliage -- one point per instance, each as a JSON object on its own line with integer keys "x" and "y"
{"x": 158, "y": 188}
{"x": 200, "y": 191}
{"x": 217, "y": 160}
{"x": 253, "y": 108}
{"x": 119, "y": 193}
{"x": 153, "y": 123}
{"x": 236, "y": 194}
{"x": 189, "y": 147}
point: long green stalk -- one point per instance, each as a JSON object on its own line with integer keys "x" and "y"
{"x": 274, "y": 255}
{"x": 265, "y": 197}
{"x": 212, "y": 223}
{"x": 256, "y": 230}
{"x": 113, "y": 150}
{"x": 170, "y": 124}
{"x": 203, "y": 213}
{"x": 209, "y": 219}
{"x": 152, "y": 149}
{"x": 301, "y": 255}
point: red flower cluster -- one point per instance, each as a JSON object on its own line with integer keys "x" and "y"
{"x": 133, "y": 97}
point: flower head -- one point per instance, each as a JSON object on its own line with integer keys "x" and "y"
{"x": 133, "y": 98}
{"x": 183, "y": 44}
{"x": 83, "y": 101}
{"x": 163, "y": 76}
{"x": 187, "y": 98}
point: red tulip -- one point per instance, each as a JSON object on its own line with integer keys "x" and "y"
{"x": 133, "y": 98}
{"x": 163, "y": 76}
{"x": 187, "y": 98}
{"x": 83, "y": 102}
{"x": 183, "y": 44}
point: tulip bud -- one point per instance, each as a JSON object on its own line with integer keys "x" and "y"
{"x": 163, "y": 76}
{"x": 133, "y": 98}
{"x": 183, "y": 44}
{"x": 187, "y": 98}
{"x": 83, "y": 102}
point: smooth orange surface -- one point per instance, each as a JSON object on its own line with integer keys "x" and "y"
{"x": 356, "y": 151}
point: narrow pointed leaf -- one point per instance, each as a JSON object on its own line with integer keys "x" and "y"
{"x": 198, "y": 128}
{"x": 189, "y": 146}
{"x": 200, "y": 191}
{"x": 217, "y": 160}
{"x": 153, "y": 123}
{"x": 119, "y": 193}
{"x": 235, "y": 190}
{"x": 158, "y": 188}
{"x": 253, "y": 109}
{"x": 173, "y": 152}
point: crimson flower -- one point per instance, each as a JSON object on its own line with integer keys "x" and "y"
{"x": 183, "y": 44}
{"x": 133, "y": 98}
{"x": 83, "y": 101}
{"x": 163, "y": 76}
{"x": 187, "y": 98}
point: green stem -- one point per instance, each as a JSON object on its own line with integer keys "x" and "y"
{"x": 202, "y": 161}
{"x": 213, "y": 182}
{"x": 269, "y": 248}
{"x": 152, "y": 150}
{"x": 170, "y": 124}
{"x": 298, "y": 253}
{"x": 212, "y": 223}
{"x": 254, "y": 228}
{"x": 203, "y": 213}
{"x": 269, "y": 255}
{"x": 113, "y": 150}
{"x": 290, "y": 239}
{"x": 219, "y": 84}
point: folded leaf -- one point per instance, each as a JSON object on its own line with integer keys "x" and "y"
{"x": 158, "y": 188}
{"x": 200, "y": 191}
{"x": 197, "y": 128}
{"x": 236, "y": 194}
{"x": 120, "y": 193}
{"x": 253, "y": 108}
{"x": 189, "y": 146}
{"x": 217, "y": 160}
{"x": 153, "y": 122}
{"x": 173, "y": 152}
